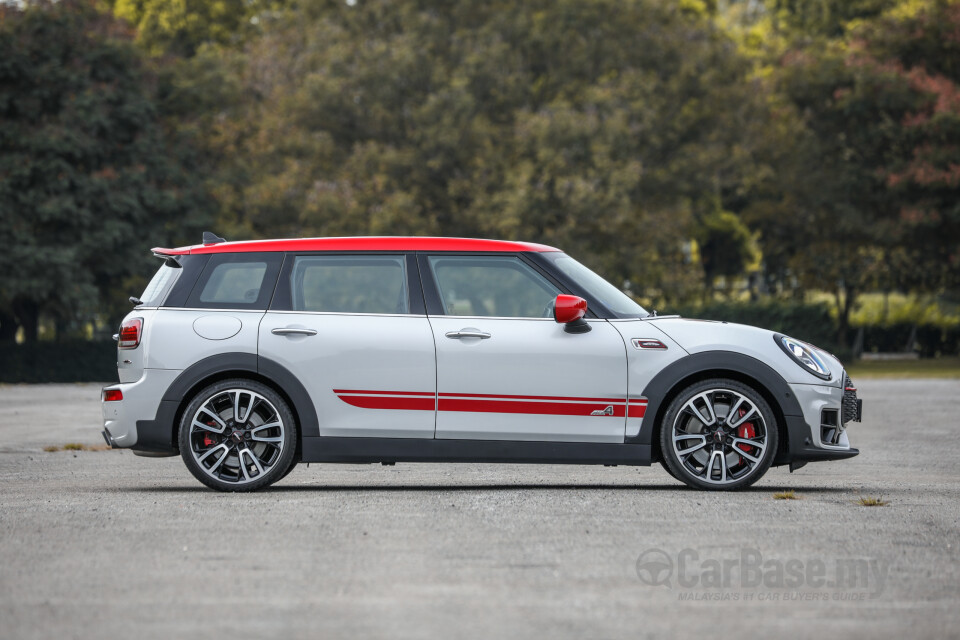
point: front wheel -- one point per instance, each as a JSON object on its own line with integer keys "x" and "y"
{"x": 238, "y": 435}
{"x": 718, "y": 434}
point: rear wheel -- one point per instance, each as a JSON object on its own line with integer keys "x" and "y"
{"x": 293, "y": 465}
{"x": 718, "y": 434}
{"x": 238, "y": 435}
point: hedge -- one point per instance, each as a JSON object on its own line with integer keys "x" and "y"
{"x": 813, "y": 323}
{"x": 930, "y": 341}
{"x": 73, "y": 361}
{"x": 809, "y": 322}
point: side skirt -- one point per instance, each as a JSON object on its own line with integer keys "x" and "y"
{"x": 370, "y": 450}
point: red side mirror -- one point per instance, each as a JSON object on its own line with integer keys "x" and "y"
{"x": 568, "y": 309}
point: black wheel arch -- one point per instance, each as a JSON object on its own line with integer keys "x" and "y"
{"x": 669, "y": 382}
{"x": 160, "y": 434}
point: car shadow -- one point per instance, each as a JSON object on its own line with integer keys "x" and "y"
{"x": 426, "y": 488}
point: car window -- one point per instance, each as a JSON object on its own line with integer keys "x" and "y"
{"x": 608, "y": 295}
{"x": 159, "y": 285}
{"x": 499, "y": 286}
{"x": 350, "y": 284}
{"x": 234, "y": 283}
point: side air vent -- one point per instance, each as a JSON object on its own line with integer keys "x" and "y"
{"x": 830, "y": 429}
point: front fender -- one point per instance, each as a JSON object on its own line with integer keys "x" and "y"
{"x": 661, "y": 389}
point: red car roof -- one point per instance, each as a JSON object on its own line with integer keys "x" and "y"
{"x": 361, "y": 243}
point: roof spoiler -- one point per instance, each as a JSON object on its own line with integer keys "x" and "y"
{"x": 209, "y": 238}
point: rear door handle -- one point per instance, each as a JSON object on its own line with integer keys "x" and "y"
{"x": 466, "y": 333}
{"x": 284, "y": 331}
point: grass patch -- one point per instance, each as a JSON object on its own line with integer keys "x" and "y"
{"x": 870, "y": 501}
{"x": 785, "y": 495}
{"x": 948, "y": 367}
{"x": 77, "y": 446}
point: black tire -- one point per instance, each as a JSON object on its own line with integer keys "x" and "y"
{"x": 667, "y": 468}
{"x": 248, "y": 448}
{"x": 293, "y": 465}
{"x": 718, "y": 456}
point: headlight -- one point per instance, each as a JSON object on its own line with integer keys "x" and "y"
{"x": 804, "y": 355}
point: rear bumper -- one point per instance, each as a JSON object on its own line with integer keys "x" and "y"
{"x": 141, "y": 399}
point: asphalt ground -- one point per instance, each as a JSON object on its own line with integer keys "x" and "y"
{"x": 105, "y": 544}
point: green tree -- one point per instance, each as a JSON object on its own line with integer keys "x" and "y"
{"x": 179, "y": 27}
{"x": 918, "y": 46}
{"x": 862, "y": 144}
{"x": 606, "y": 128}
{"x": 727, "y": 246}
{"x": 88, "y": 176}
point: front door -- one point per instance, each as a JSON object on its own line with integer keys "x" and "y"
{"x": 342, "y": 324}
{"x": 506, "y": 370}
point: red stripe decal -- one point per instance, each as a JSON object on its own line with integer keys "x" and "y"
{"x": 637, "y": 408}
{"x": 490, "y": 396}
{"x": 537, "y": 408}
{"x": 383, "y": 393}
{"x": 480, "y": 403}
{"x": 379, "y": 402}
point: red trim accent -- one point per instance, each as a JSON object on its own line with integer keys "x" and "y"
{"x": 359, "y": 244}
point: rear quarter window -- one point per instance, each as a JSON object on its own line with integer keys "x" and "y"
{"x": 237, "y": 281}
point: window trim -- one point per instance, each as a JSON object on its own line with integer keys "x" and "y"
{"x": 267, "y": 287}
{"x": 283, "y": 296}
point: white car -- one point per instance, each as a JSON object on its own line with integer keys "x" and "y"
{"x": 249, "y": 357}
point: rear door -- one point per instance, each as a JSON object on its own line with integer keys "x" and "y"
{"x": 354, "y": 332}
{"x": 505, "y": 369}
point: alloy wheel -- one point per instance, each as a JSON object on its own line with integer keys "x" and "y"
{"x": 719, "y": 436}
{"x": 237, "y": 436}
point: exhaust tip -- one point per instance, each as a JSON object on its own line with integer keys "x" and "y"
{"x": 108, "y": 439}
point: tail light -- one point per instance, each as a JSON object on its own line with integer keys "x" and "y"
{"x": 112, "y": 395}
{"x": 130, "y": 332}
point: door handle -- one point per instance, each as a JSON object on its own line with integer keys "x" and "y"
{"x": 284, "y": 331}
{"x": 483, "y": 335}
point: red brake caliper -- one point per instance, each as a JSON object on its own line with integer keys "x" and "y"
{"x": 208, "y": 438}
{"x": 746, "y": 430}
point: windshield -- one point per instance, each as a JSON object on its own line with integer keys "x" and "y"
{"x": 611, "y": 297}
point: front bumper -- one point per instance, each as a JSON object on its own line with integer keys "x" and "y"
{"x": 141, "y": 401}
{"x": 821, "y": 433}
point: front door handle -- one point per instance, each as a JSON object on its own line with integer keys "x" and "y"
{"x": 284, "y": 331}
{"x": 467, "y": 333}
